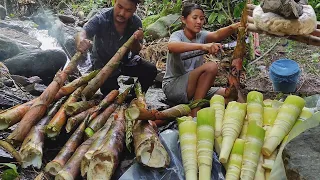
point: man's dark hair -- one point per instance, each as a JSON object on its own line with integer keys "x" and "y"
{"x": 136, "y": 1}
{"x": 188, "y": 8}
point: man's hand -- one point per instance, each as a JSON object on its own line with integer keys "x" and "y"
{"x": 138, "y": 35}
{"x": 84, "y": 45}
{"x": 212, "y": 48}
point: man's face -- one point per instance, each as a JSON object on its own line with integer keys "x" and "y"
{"x": 124, "y": 10}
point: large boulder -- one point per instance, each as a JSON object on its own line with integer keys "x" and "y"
{"x": 3, "y": 12}
{"x": 301, "y": 156}
{"x": 19, "y": 36}
{"x": 11, "y": 47}
{"x": 159, "y": 29}
{"x": 44, "y": 64}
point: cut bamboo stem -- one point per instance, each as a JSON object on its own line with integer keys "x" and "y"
{"x": 32, "y": 147}
{"x": 39, "y": 107}
{"x": 55, "y": 125}
{"x": 70, "y": 87}
{"x": 107, "y": 70}
{"x": 74, "y": 121}
{"x": 78, "y": 107}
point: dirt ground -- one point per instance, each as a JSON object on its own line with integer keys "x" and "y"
{"x": 271, "y": 49}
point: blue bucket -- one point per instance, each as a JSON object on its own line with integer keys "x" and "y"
{"x": 284, "y": 74}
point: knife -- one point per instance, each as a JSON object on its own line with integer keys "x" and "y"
{"x": 200, "y": 53}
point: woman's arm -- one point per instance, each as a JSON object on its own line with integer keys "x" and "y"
{"x": 180, "y": 47}
{"x": 222, "y": 33}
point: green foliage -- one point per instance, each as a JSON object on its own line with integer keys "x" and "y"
{"x": 11, "y": 173}
{"x": 316, "y": 6}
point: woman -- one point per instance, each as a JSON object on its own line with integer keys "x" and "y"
{"x": 189, "y": 79}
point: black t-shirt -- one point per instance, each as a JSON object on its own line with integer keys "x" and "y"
{"x": 107, "y": 41}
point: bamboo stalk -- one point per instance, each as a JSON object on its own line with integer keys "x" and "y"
{"x": 72, "y": 168}
{"x": 74, "y": 121}
{"x": 98, "y": 122}
{"x": 78, "y": 107}
{"x": 148, "y": 148}
{"x": 14, "y": 115}
{"x": 32, "y": 146}
{"x": 38, "y": 109}
{"x": 10, "y": 149}
{"x": 106, "y": 71}
{"x": 54, "y": 166}
{"x": 105, "y": 158}
{"x": 96, "y": 145}
{"x": 56, "y": 123}
{"x": 70, "y": 87}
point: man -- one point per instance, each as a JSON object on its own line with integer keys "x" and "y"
{"x": 110, "y": 29}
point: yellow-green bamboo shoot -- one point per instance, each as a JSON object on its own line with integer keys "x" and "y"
{"x": 286, "y": 118}
{"x": 234, "y": 167}
{"x": 218, "y": 104}
{"x": 255, "y": 107}
{"x": 252, "y": 151}
{"x": 188, "y": 144}
{"x": 205, "y": 137}
{"x": 231, "y": 127}
{"x": 260, "y": 172}
{"x": 244, "y": 129}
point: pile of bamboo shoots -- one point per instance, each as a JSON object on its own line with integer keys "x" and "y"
{"x": 97, "y": 127}
{"x": 246, "y": 136}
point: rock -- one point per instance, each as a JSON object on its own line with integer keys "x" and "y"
{"x": 20, "y": 36}
{"x": 35, "y": 89}
{"x": 301, "y": 156}
{"x": 159, "y": 79}
{"x": 3, "y": 12}
{"x": 24, "y": 81}
{"x": 80, "y": 15}
{"x": 159, "y": 29}
{"x": 44, "y": 64}
{"x": 67, "y": 18}
{"x": 11, "y": 47}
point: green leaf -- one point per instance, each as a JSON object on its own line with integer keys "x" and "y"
{"x": 317, "y": 6}
{"x": 218, "y": 6}
{"x": 9, "y": 174}
{"x": 213, "y": 16}
{"x": 221, "y": 18}
{"x": 10, "y": 165}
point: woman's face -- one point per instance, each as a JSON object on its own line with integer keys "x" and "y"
{"x": 194, "y": 21}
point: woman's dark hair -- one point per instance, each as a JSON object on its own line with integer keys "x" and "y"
{"x": 188, "y": 8}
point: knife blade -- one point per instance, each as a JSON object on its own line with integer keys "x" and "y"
{"x": 229, "y": 45}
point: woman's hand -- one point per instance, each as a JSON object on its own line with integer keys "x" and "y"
{"x": 84, "y": 45}
{"x": 212, "y": 48}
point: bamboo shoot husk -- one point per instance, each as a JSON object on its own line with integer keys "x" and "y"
{"x": 72, "y": 168}
{"x": 106, "y": 159}
{"x": 32, "y": 147}
{"x": 70, "y": 87}
{"x": 39, "y": 107}
{"x": 148, "y": 148}
{"x": 96, "y": 145}
{"x": 107, "y": 70}
{"x": 55, "y": 125}
{"x": 78, "y": 107}
{"x": 54, "y": 166}
{"x": 74, "y": 121}
{"x": 14, "y": 115}
{"x": 101, "y": 119}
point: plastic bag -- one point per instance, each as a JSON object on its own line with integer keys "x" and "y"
{"x": 170, "y": 140}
